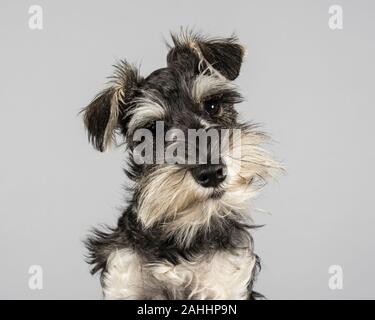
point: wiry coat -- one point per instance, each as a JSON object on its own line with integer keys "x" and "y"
{"x": 176, "y": 239}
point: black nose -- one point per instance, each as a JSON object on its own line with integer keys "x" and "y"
{"x": 209, "y": 175}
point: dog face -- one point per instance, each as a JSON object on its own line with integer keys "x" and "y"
{"x": 194, "y": 92}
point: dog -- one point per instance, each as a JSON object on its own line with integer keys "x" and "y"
{"x": 185, "y": 233}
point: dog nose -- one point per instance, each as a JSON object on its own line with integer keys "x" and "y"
{"x": 209, "y": 175}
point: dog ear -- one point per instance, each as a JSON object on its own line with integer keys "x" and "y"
{"x": 222, "y": 55}
{"x": 102, "y": 117}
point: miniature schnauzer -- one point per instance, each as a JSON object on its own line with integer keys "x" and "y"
{"x": 185, "y": 233}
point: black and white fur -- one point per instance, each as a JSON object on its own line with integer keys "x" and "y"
{"x": 178, "y": 239}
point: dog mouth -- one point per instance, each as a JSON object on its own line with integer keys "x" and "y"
{"x": 217, "y": 194}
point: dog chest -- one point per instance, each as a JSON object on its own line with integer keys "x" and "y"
{"x": 222, "y": 275}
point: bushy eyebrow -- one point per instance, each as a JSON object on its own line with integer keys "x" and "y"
{"x": 207, "y": 87}
{"x": 229, "y": 97}
{"x": 145, "y": 109}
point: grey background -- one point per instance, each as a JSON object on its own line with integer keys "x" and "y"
{"x": 311, "y": 87}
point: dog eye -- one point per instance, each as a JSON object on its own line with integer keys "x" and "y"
{"x": 212, "y": 107}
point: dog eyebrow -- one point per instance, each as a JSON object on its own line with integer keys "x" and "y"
{"x": 210, "y": 86}
{"x": 145, "y": 109}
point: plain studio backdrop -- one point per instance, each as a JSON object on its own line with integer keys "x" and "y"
{"x": 311, "y": 88}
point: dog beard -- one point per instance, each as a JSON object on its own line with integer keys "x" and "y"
{"x": 171, "y": 198}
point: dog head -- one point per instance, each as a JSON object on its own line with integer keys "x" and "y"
{"x": 175, "y": 187}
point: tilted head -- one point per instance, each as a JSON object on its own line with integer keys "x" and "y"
{"x": 191, "y": 100}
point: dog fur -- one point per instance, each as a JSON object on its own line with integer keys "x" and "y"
{"x": 178, "y": 239}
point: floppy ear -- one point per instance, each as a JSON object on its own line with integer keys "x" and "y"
{"x": 220, "y": 55}
{"x": 103, "y": 115}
